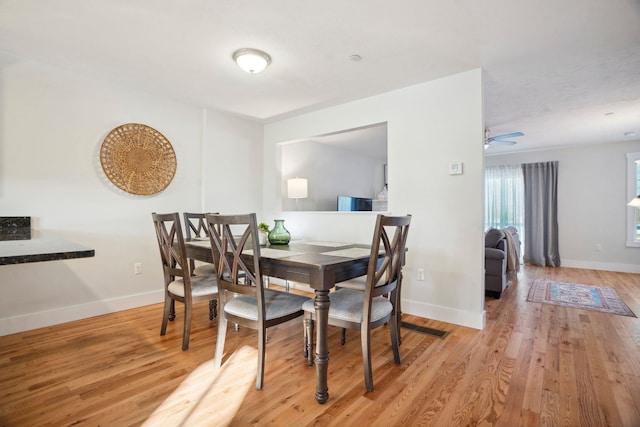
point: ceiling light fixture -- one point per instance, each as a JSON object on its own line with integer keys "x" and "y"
{"x": 630, "y": 133}
{"x": 251, "y": 60}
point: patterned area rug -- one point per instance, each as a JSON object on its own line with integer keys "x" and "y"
{"x": 578, "y": 296}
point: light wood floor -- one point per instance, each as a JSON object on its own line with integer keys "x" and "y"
{"x": 533, "y": 364}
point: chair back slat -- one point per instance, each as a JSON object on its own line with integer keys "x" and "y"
{"x": 236, "y": 253}
{"x": 171, "y": 243}
{"x": 195, "y": 223}
{"x": 389, "y": 241}
{"x": 173, "y": 253}
{"x": 195, "y": 226}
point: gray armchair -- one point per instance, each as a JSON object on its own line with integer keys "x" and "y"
{"x": 495, "y": 262}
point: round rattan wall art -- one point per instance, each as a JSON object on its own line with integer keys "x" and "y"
{"x": 138, "y": 159}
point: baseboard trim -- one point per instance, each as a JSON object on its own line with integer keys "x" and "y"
{"x": 606, "y": 266}
{"x": 41, "y": 319}
{"x": 445, "y": 314}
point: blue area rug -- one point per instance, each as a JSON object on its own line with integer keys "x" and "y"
{"x": 575, "y": 295}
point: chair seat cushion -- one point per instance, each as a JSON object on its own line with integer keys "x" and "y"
{"x": 204, "y": 270}
{"x": 347, "y": 304}
{"x": 277, "y": 304}
{"x": 200, "y": 286}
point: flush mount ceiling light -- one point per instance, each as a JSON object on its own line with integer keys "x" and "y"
{"x": 251, "y": 60}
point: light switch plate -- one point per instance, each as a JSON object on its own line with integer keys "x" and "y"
{"x": 455, "y": 168}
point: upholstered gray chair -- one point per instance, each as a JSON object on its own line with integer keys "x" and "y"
{"x": 179, "y": 285}
{"x": 244, "y": 300}
{"x": 370, "y": 309}
{"x": 495, "y": 262}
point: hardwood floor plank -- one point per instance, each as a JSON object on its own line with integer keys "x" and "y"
{"x": 590, "y": 414}
{"x": 533, "y": 364}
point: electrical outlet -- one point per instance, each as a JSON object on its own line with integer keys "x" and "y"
{"x": 598, "y": 247}
{"x": 137, "y": 268}
{"x": 420, "y": 274}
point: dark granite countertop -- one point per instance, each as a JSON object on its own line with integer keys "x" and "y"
{"x": 41, "y": 247}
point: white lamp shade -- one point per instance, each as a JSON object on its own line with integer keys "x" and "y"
{"x": 635, "y": 202}
{"x": 297, "y": 188}
{"x": 251, "y": 60}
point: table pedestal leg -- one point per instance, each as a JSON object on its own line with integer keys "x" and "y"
{"x": 322, "y": 345}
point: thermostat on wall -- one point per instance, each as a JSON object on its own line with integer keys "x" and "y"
{"x": 455, "y": 168}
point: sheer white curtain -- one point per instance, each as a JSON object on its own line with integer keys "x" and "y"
{"x": 504, "y": 198}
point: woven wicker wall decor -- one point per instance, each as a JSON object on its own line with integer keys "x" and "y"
{"x": 138, "y": 159}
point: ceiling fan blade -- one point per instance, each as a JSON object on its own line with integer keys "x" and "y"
{"x": 502, "y": 142}
{"x": 505, "y": 136}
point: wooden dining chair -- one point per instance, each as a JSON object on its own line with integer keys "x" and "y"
{"x": 195, "y": 226}
{"x": 370, "y": 309}
{"x": 179, "y": 285}
{"x": 360, "y": 284}
{"x": 244, "y": 300}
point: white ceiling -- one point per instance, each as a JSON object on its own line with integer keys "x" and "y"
{"x": 552, "y": 68}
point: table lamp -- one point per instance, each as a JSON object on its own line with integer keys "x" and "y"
{"x": 297, "y": 189}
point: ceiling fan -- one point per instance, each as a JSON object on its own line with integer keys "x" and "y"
{"x": 499, "y": 139}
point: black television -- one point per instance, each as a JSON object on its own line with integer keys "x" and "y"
{"x": 348, "y": 203}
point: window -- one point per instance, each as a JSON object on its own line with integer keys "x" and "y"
{"x": 504, "y": 198}
{"x": 633, "y": 190}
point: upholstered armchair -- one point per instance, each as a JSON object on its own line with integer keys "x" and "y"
{"x": 495, "y": 262}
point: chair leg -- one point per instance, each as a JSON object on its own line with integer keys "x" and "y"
{"x": 309, "y": 327}
{"x": 394, "y": 329}
{"x": 398, "y": 309}
{"x": 261, "y": 352}
{"x": 222, "y": 334}
{"x": 398, "y": 325}
{"x": 187, "y": 325}
{"x": 172, "y": 313}
{"x": 343, "y": 336}
{"x": 166, "y": 315}
{"x": 305, "y": 352}
{"x": 365, "y": 336}
{"x": 213, "y": 309}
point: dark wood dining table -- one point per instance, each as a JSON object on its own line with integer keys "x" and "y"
{"x": 319, "y": 264}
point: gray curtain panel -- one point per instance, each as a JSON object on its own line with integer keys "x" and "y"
{"x": 541, "y": 214}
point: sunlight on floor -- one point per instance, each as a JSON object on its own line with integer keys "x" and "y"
{"x": 197, "y": 400}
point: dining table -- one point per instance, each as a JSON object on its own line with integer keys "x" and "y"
{"x": 319, "y": 264}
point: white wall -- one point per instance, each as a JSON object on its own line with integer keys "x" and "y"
{"x": 430, "y": 125}
{"x": 592, "y": 198}
{"x": 52, "y": 124}
{"x": 232, "y": 164}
